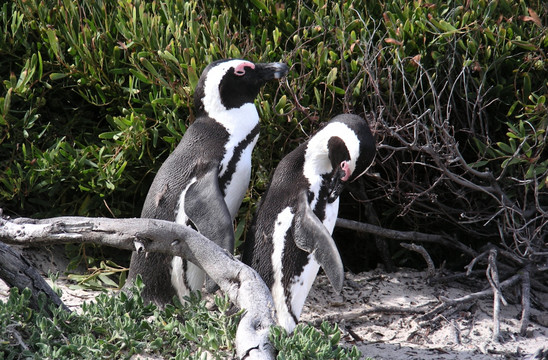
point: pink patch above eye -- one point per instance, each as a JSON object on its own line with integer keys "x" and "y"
{"x": 239, "y": 70}
{"x": 346, "y": 167}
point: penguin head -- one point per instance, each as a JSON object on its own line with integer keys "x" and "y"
{"x": 342, "y": 150}
{"x": 351, "y": 153}
{"x": 230, "y": 84}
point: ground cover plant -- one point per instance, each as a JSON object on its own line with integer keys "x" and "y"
{"x": 94, "y": 95}
{"x": 121, "y": 325}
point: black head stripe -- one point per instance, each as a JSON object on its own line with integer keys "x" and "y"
{"x": 337, "y": 151}
{"x": 237, "y": 90}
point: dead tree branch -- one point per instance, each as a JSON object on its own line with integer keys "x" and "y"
{"x": 446, "y": 302}
{"x": 17, "y": 272}
{"x": 242, "y": 284}
{"x": 404, "y": 235}
{"x": 431, "y": 269}
{"x": 525, "y": 301}
{"x": 492, "y": 274}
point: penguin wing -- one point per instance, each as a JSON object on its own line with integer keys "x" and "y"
{"x": 312, "y": 236}
{"x": 206, "y": 208}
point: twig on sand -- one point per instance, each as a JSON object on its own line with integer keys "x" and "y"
{"x": 431, "y": 269}
{"x": 493, "y": 277}
{"x": 525, "y": 301}
{"x": 446, "y": 302}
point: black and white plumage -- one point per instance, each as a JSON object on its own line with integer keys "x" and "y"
{"x": 291, "y": 232}
{"x": 202, "y": 183}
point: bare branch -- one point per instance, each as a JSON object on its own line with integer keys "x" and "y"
{"x": 525, "y": 301}
{"x": 404, "y": 235}
{"x": 431, "y": 270}
{"x": 493, "y": 277}
{"x": 242, "y": 284}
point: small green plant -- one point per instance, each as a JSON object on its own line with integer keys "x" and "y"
{"x": 117, "y": 327}
{"x": 307, "y": 342}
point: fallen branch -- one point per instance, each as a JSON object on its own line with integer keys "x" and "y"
{"x": 419, "y": 309}
{"x": 525, "y": 301}
{"x": 242, "y": 284}
{"x": 17, "y": 272}
{"x": 446, "y": 302}
{"x": 493, "y": 277}
{"x": 404, "y": 235}
{"x": 431, "y": 269}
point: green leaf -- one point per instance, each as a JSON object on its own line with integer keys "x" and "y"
{"x": 192, "y": 77}
{"x": 525, "y": 45}
{"x": 54, "y": 42}
{"x": 332, "y": 76}
{"x": 259, "y": 5}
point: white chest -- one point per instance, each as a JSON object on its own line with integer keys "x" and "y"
{"x": 238, "y": 181}
{"x": 236, "y": 163}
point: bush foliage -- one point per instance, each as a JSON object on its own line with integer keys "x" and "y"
{"x": 96, "y": 94}
{"x": 120, "y": 326}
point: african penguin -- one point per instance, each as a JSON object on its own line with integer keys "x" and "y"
{"x": 202, "y": 183}
{"x": 290, "y": 235}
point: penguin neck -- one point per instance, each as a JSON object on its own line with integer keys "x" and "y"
{"x": 238, "y": 122}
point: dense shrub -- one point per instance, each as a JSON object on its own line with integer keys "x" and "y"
{"x": 96, "y": 94}
{"x": 120, "y": 325}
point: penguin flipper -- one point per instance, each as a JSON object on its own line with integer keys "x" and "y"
{"x": 207, "y": 210}
{"x": 313, "y": 237}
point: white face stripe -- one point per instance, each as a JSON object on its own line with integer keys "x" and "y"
{"x": 283, "y": 223}
{"x": 238, "y": 122}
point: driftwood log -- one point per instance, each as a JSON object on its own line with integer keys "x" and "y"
{"x": 242, "y": 284}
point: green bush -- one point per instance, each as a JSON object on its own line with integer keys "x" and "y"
{"x": 308, "y": 343}
{"x": 96, "y": 94}
{"x": 117, "y": 327}
{"x": 120, "y": 326}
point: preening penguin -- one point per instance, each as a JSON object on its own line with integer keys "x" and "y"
{"x": 291, "y": 232}
{"x": 202, "y": 183}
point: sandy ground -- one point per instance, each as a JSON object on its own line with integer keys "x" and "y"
{"x": 465, "y": 334}
{"x": 382, "y": 335}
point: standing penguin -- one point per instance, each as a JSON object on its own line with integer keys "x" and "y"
{"x": 291, "y": 231}
{"x": 202, "y": 183}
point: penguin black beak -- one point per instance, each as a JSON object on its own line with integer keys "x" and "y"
{"x": 341, "y": 174}
{"x": 270, "y": 71}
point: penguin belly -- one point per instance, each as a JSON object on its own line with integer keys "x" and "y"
{"x": 236, "y": 185}
{"x": 298, "y": 289}
{"x": 331, "y": 214}
{"x": 185, "y": 276}
{"x": 289, "y": 301}
{"x": 282, "y": 225}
